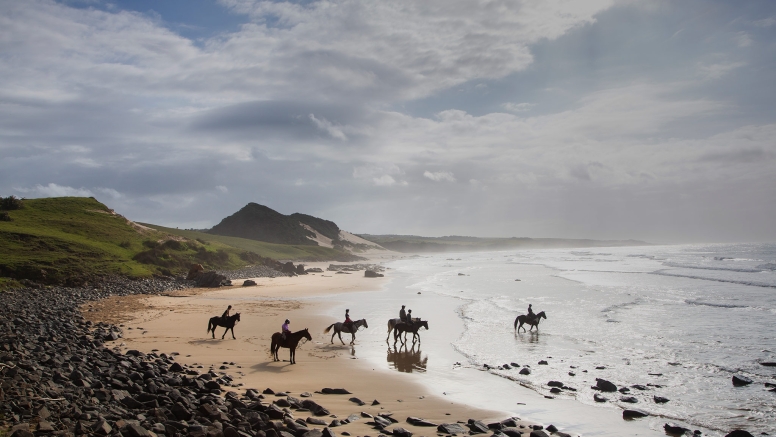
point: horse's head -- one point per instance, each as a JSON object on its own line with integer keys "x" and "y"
{"x": 363, "y": 322}
{"x": 306, "y": 334}
{"x": 237, "y": 316}
{"x": 542, "y": 315}
{"x": 424, "y": 323}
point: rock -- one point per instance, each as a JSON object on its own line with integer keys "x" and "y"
{"x": 313, "y": 432}
{"x": 421, "y": 422}
{"x": 372, "y": 274}
{"x": 766, "y": 364}
{"x": 599, "y": 398}
{"x": 543, "y": 363}
{"x": 401, "y": 432}
{"x": 525, "y": 371}
{"x": 375, "y": 402}
{"x": 315, "y": 408}
{"x": 477, "y": 427}
{"x": 660, "y": 399}
{"x": 539, "y": 433}
{"x": 268, "y": 391}
{"x": 195, "y": 270}
{"x": 633, "y": 414}
{"x": 21, "y": 433}
{"x": 314, "y": 270}
{"x": 335, "y": 391}
{"x": 101, "y": 427}
{"x": 740, "y": 380}
{"x": 357, "y": 401}
{"x": 738, "y": 433}
{"x": 451, "y": 428}
{"x": 45, "y": 426}
{"x": 314, "y": 421}
{"x": 249, "y": 283}
{"x": 629, "y": 399}
{"x": 327, "y": 432}
{"x": 138, "y": 431}
{"x": 673, "y": 429}
{"x": 552, "y": 428}
{"x": 511, "y": 431}
{"x": 604, "y": 385}
{"x": 555, "y": 384}
{"x": 175, "y": 367}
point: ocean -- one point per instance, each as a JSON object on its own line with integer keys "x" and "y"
{"x": 678, "y": 321}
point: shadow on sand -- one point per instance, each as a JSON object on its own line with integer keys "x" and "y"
{"x": 407, "y": 360}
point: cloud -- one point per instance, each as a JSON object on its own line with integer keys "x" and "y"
{"x": 517, "y": 107}
{"x": 381, "y": 175}
{"x": 55, "y": 190}
{"x": 439, "y": 176}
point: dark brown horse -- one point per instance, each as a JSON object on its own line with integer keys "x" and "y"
{"x": 523, "y": 319}
{"x": 226, "y": 322}
{"x": 340, "y": 327}
{"x": 404, "y": 327}
{"x": 291, "y": 342}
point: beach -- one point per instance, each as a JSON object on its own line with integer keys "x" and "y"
{"x": 176, "y": 323}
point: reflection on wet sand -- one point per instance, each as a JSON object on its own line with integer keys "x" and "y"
{"x": 407, "y": 360}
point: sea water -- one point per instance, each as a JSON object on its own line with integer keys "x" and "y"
{"x": 679, "y": 321}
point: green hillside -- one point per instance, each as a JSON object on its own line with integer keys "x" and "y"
{"x": 271, "y": 250}
{"x": 71, "y": 240}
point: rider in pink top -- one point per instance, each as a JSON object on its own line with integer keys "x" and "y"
{"x": 285, "y": 330}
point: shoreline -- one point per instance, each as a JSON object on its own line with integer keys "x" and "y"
{"x": 171, "y": 324}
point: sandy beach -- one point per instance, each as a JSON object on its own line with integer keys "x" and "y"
{"x": 176, "y": 323}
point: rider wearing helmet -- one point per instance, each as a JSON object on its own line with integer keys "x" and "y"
{"x": 226, "y": 313}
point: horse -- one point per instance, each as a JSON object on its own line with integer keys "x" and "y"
{"x": 534, "y": 322}
{"x": 404, "y": 327}
{"x": 340, "y": 327}
{"x": 291, "y": 342}
{"x": 392, "y": 324}
{"x": 227, "y": 322}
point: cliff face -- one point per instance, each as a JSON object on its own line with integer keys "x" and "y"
{"x": 261, "y": 223}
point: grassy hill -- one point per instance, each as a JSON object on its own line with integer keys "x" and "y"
{"x": 71, "y": 240}
{"x": 271, "y": 250}
{"x": 415, "y": 244}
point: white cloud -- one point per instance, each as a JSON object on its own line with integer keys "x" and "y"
{"x": 743, "y": 39}
{"x": 765, "y": 22}
{"x": 54, "y": 190}
{"x": 222, "y": 188}
{"x": 718, "y": 70}
{"x": 439, "y": 176}
{"x": 381, "y": 175}
{"x": 329, "y": 127}
{"x": 517, "y": 107}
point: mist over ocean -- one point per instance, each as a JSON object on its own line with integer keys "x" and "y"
{"x": 679, "y": 320}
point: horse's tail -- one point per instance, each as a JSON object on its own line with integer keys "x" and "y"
{"x": 210, "y": 325}
{"x": 326, "y": 331}
{"x": 516, "y": 320}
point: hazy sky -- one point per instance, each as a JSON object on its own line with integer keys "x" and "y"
{"x": 653, "y": 120}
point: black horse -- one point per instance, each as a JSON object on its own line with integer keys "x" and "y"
{"x": 403, "y": 327}
{"x": 533, "y": 321}
{"x": 226, "y": 322}
{"x": 291, "y": 342}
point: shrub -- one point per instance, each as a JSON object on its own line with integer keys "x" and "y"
{"x": 151, "y": 244}
{"x": 174, "y": 245}
{"x": 10, "y": 203}
{"x": 125, "y": 244}
{"x": 4, "y": 217}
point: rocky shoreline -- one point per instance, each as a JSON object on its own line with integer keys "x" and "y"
{"x": 61, "y": 375}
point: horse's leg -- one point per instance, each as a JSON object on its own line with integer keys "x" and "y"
{"x": 352, "y": 337}
{"x": 339, "y": 334}
{"x": 292, "y": 356}
{"x": 233, "y": 338}
{"x": 222, "y": 337}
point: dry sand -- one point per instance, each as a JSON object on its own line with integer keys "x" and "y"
{"x": 177, "y": 323}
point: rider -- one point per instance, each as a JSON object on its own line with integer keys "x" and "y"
{"x": 402, "y": 314}
{"x": 530, "y": 312}
{"x": 284, "y": 329}
{"x": 409, "y": 318}
{"x": 226, "y": 313}
{"x": 348, "y": 323}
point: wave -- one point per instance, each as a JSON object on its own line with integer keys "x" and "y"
{"x": 729, "y": 281}
{"x": 716, "y": 305}
{"x": 767, "y": 266}
{"x": 724, "y": 269}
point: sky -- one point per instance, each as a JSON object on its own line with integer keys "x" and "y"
{"x": 605, "y": 119}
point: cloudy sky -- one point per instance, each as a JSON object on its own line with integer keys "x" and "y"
{"x": 653, "y": 120}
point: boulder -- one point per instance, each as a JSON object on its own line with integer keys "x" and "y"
{"x": 401, "y": 432}
{"x": 249, "y": 283}
{"x": 672, "y": 429}
{"x": 300, "y": 270}
{"x": 357, "y": 401}
{"x": 314, "y": 270}
{"x": 555, "y": 384}
{"x": 525, "y": 371}
{"x": 315, "y": 408}
{"x": 604, "y": 385}
{"x": 477, "y": 427}
{"x": 335, "y": 391}
{"x": 511, "y": 431}
{"x": 738, "y": 433}
{"x": 633, "y": 414}
{"x": 599, "y": 398}
{"x": 539, "y": 433}
{"x": 766, "y": 364}
{"x": 660, "y": 399}
{"x": 372, "y": 274}
{"x": 420, "y": 422}
{"x": 741, "y": 380}
{"x": 629, "y": 399}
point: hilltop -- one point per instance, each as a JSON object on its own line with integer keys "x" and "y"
{"x": 261, "y": 223}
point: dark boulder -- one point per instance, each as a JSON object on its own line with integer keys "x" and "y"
{"x": 555, "y": 384}
{"x": 511, "y": 431}
{"x": 599, "y": 398}
{"x": 249, "y": 283}
{"x": 604, "y": 385}
{"x": 477, "y": 427}
{"x": 315, "y": 408}
{"x": 673, "y": 429}
{"x": 633, "y": 414}
{"x": 335, "y": 391}
{"x": 740, "y": 380}
{"x": 372, "y": 274}
{"x": 660, "y": 399}
{"x": 629, "y": 399}
{"x": 401, "y": 432}
{"x": 420, "y": 422}
{"x": 539, "y": 433}
{"x": 525, "y": 371}
{"x": 739, "y": 433}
